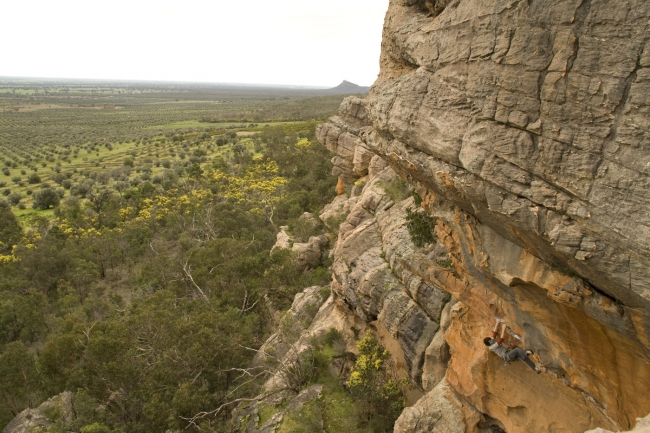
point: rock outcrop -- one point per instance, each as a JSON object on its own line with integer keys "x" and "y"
{"x": 370, "y": 289}
{"x": 59, "y": 407}
{"x": 524, "y": 127}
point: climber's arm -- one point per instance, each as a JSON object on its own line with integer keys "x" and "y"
{"x": 503, "y": 333}
{"x": 496, "y": 328}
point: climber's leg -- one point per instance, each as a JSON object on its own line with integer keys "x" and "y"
{"x": 519, "y": 353}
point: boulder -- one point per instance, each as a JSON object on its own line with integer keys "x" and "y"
{"x": 283, "y": 240}
{"x": 310, "y": 254}
{"x": 58, "y": 407}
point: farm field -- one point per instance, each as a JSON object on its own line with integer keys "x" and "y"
{"x": 68, "y": 136}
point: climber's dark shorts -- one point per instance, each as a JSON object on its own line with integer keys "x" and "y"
{"x": 519, "y": 353}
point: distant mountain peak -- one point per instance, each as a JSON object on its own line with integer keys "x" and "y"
{"x": 348, "y": 87}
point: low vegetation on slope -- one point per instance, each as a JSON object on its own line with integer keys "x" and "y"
{"x": 144, "y": 280}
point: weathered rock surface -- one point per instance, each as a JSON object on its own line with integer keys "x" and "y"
{"x": 525, "y": 127}
{"x": 642, "y": 426}
{"x": 282, "y": 239}
{"x": 439, "y": 411}
{"x": 296, "y": 320}
{"x": 307, "y": 255}
{"x": 30, "y": 420}
{"x": 248, "y": 420}
{"x": 533, "y": 117}
{"x": 368, "y": 276}
{"x": 310, "y": 254}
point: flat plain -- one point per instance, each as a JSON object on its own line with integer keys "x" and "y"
{"x": 58, "y": 133}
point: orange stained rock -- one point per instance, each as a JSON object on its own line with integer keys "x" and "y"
{"x": 340, "y": 187}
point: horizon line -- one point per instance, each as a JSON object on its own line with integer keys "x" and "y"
{"x": 124, "y": 80}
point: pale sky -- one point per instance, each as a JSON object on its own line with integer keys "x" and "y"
{"x": 302, "y": 42}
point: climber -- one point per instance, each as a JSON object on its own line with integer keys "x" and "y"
{"x": 508, "y": 355}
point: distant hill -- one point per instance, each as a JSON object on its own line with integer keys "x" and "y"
{"x": 346, "y": 88}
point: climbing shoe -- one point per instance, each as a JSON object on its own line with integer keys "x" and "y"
{"x": 529, "y": 352}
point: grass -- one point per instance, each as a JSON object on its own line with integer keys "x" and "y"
{"x": 397, "y": 189}
{"x": 208, "y": 125}
{"x": 265, "y": 413}
{"x": 181, "y": 125}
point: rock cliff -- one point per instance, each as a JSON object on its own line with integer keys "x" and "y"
{"x": 524, "y": 127}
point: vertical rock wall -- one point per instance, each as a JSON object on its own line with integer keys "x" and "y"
{"x": 524, "y": 125}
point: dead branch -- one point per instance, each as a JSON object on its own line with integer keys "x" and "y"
{"x": 187, "y": 269}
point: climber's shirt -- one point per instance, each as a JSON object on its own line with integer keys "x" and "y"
{"x": 497, "y": 348}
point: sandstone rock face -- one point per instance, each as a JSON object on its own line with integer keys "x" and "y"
{"x": 440, "y": 411}
{"x": 524, "y": 126}
{"x": 39, "y": 419}
{"x": 247, "y": 420}
{"x": 282, "y": 239}
{"x": 532, "y": 116}
{"x": 341, "y": 137}
{"x": 296, "y": 326}
{"x": 310, "y": 254}
{"x": 642, "y": 426}
{"x": 370, "y": 279}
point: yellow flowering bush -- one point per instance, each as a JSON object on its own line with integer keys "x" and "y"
{"x": 258, "y": 186}
{"x": 302, "y": 143}
{"x": 373, "y": 384}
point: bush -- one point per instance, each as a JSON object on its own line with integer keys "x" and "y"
{"x": 397, "y": 189}
{"x": 14, "y": 198}
{"x": 97, "y": 428}
{"x": 420, "y": 225}
{"x": 374, "y": 387}
{"x": 82, "y": 188}
{"x": 33, "y": 178}
{"x": 44, "y": 198}
{"x": 59, "y": 178}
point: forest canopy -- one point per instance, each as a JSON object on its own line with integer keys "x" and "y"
{"x": 143, "y": 297}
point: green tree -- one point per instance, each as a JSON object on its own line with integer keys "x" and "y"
{"x": 33, "y": 178}
{"x": 373, "y": 384}
{"x": 19, "y": 378}
{"x": 44, "y": 198}
{"x": 10, "y": 230}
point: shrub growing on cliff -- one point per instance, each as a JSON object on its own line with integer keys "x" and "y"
{"x": 396, "y": 188}
{"x": 373, "y": 384}
{"x": 420, "y": 225}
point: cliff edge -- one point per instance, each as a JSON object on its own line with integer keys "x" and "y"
{"x": 524, "y": 127}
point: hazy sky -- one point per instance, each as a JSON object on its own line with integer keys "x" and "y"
{"x": 303, "y": 42}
